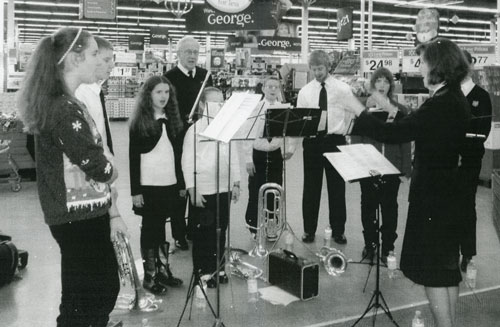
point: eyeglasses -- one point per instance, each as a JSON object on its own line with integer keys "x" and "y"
{"x": 191, "y": 52}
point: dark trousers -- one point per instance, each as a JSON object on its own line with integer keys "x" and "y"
{"x": 387, "y": 197}
{"x": 89, "y": 272}
{"x": 160, "y": 202}
{"x": 268, "y": 169}
{"x": 469, "y": 177}
{"x": 205, "y": 233}
{"x": 314, "y": 164}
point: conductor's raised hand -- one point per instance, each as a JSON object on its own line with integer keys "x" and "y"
{"x": 196, "y": 198}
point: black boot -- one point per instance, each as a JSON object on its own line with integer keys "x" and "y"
{"x": 163, "y": 273}
{"x": 150, "y": 281}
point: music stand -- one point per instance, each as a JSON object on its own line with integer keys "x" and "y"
{"x": 356, "y": 162}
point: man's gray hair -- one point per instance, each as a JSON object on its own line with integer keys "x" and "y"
{"x": 186, "y": 39}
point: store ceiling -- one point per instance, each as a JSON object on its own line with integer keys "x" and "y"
{"x": 391, "y": 23}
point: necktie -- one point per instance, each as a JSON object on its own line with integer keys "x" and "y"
{"x": 106, "y": 123}
{"x": 323, "y": 105}
{"x": 190, "y": 74}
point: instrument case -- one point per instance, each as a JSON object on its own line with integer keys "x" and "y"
{"x": 293, "y": 274}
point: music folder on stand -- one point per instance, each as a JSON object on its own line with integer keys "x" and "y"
{"x": 361, "y": 161}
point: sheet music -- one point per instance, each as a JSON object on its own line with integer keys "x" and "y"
{"x": 356, "y": 161}
{"x": 232, "y": 115}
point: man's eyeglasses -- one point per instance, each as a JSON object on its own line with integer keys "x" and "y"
{"x": 191, "y": 52}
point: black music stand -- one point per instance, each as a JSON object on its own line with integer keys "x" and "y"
{"x": 356, "y": 162}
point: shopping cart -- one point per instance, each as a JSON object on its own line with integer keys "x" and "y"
{"x": 8, "y": 128}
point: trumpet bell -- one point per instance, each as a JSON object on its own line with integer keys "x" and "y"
{"x": 334, "y": 261}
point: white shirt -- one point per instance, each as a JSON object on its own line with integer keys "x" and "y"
{"x": 467, "y": 86}
{"x": 339, "y": 118}
{"x": 88, "y": 94}
{"x": 186, "y": 71}
{"x": 206, "y": 162}
{"x": 158, "y": 165}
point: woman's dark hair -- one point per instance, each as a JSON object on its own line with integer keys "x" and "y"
{"x": 44, "y": 83}
{"x": 143, "y": 119}
{"x": 446, "y": 61}
{"x": 383, "y": 73}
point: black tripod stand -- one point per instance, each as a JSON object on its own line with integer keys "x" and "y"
{"x": 377, "y": 300}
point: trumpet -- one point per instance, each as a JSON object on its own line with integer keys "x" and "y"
{"x": 271, "y": 220}
{"x": 243, "y": 269}
{"x": 142, "y": 301}
{"x": 334, "y": 261}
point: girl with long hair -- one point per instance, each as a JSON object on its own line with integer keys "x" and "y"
{"x": 156, "y": 177}
{"x": 73, "y": 175}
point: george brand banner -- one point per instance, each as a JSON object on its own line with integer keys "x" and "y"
{"x": 344, "y": 24}
{"x": 136, "y": 42}
{"x": 257, "y": 15}
{"x": 158, "y": 35}
{"x": 279, "y": 43}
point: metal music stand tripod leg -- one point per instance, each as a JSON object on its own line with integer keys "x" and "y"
{"x": 377, "y": 300}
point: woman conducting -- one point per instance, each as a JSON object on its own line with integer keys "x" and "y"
{"x": 430, "y": 254}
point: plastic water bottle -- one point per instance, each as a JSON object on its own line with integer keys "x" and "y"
{"x": 417, "y": 320}
{"x": 327, "y": 238}
{"x": 392, "y": 265}
{"x": 199, "y": 300}
{"x": 471, "y": 274}
{"x": 253, "y": 290}
{"x": 289, "y": 241}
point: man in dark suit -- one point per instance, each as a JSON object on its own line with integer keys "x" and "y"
{"x": 471, "y": 155}
{"x": 187, "y": 79}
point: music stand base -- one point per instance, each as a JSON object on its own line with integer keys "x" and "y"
{"x": 376, "y": 304}
{"x": 218, "y": 323}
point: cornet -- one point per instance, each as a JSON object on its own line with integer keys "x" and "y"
{"x": 334, "y": 260}
{"x": 271, "y": 220}
{"x": 243, "y": 269}
{"x": 126, "y": 267}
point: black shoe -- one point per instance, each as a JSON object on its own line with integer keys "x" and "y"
{"x": 368, "y": 253}
{"x": 182, "y": 244}
{"x": 223, "y": 279}
{"x": 308, "y": 238}
{"x": 167, "y": 279}
{"x": 212, "y": 283}
{"x": 340, "y": 239}
{"x": 151, "y": 284}
{"x": 465, "y": 263}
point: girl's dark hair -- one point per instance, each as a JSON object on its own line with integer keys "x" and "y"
{"x": 143, "y": 119}
{"x": 43, "y": 83}
{"x": 446, "y": 61}
{"x": 383, "y": 73}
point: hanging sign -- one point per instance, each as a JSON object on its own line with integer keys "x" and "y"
{"x": 411, "y": 61}
{"x": 289, "y": 44}
{"x": 256, "y": 16}
{"x": 344, "y": 24}
{"x": 158, "y": 35}
{"x": 380, "y": 58}
{"x": 217, "y": 58}
{"x": 349, "y": 65}
{"x": 97, "y": 9}
{"x": 233, "y": 42}
{"x": 136, "y": 42}
{"x": 482, "y": 54}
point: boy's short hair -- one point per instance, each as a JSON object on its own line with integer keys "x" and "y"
{"x": 318, "y": 58}
{"x": 270, "y": 78}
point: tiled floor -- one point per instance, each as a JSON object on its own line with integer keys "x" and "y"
{"x": 33, "y": 300}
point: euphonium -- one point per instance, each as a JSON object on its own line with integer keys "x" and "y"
{"x": 335, "y": 261}
{"x": 128, "y": 272}
{"x": 243, "y": 269}
{"x": 271, "y": 220}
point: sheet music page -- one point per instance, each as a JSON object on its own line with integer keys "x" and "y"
{"x": 370, "y": 158}
{"x": 346, "y": 166}
{"x": 232, "y": 115}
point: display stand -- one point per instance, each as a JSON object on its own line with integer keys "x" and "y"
{"x": 356, "y": 162}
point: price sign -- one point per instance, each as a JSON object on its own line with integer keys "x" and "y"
{"x": 482, "y": 54}
{"x": 372, "y": 60}
{"x": 411, "y": 61}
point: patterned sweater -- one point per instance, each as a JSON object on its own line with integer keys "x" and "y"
{"x": 72, "y": 170}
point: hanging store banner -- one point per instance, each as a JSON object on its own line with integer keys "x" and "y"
{"x": 136, "y": 42}
{"x": 217, "y": 58}
{"x": 411, "y": 61}
{"x": 255, "y": 16}
{"x": 289, "y": 44}
{"x": 374, "y": 59}
{"x": 97, "y": 9}
{"x": 233, "y": 42}
{"x": 158, "y": 35}
{"x": 344, "y": 24}
{"x": 348, "y": 65}
{"x": 482, "y": 54}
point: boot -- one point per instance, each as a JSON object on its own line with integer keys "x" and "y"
{"x": 163, "y": 273}
{"x": 150, "y": 281}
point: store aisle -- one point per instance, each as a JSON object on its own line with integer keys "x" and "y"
{"x": 33, "y": 300}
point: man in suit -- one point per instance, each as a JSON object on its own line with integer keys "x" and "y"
{"x": 471, "y": 155}
{"x": 187, "y": 79}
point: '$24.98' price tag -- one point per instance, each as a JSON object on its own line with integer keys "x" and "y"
{"x": 372, "y": 60}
